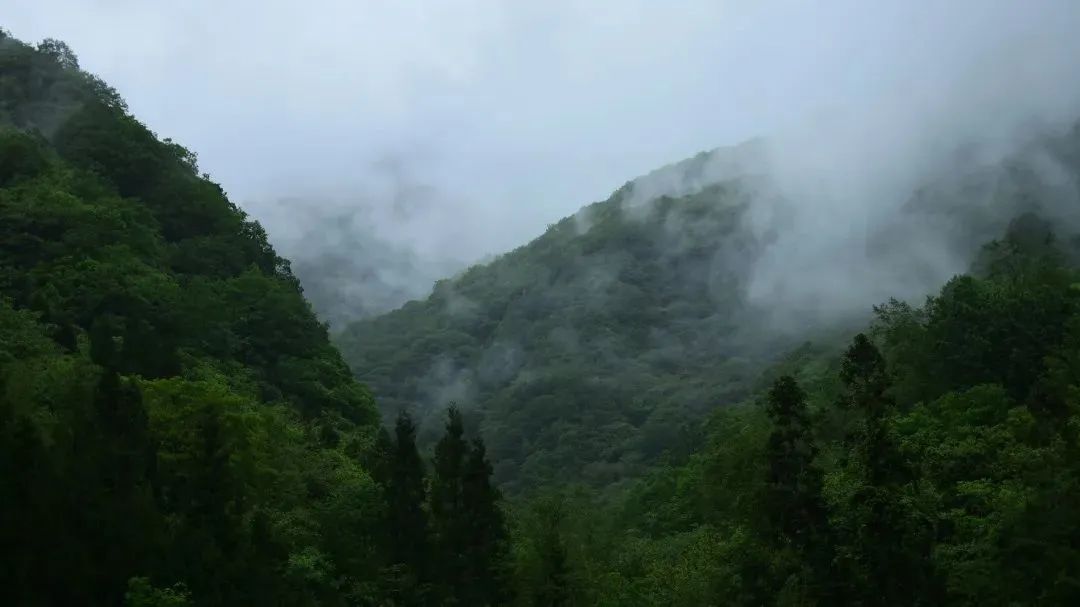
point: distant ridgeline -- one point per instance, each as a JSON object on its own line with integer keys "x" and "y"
{"x": 596, "y": 349}
{"x": 175, "y": 426}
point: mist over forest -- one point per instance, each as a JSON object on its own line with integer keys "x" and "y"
{"x": 484, "y": 303}
{"x": 504, "y": 129}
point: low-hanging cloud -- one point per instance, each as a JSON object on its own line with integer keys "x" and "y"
{"x": 834, "y": 186}
{"x": 498, "y": 118}
{"x": 369, "y": 247}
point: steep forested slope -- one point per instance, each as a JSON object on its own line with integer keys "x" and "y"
{"x": 170, "y": 409}
{"x": 587, "y": 351}
{"x": 597, "y": 348}
{"x": 931, "y": 463}
{"x": 175, "y": 427}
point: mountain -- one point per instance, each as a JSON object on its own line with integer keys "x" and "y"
{"x": 176, "y": 428}
{"x": 910, "y": 466}
{"x": 596, "y": 350}
{"x": 590, "y": 349}
{"x": 171, "y": 412}
{"x": 682, "y": 408}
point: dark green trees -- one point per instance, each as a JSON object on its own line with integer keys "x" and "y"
{"x": 469, "y": 529}
{"x": 126, "y": 459}
{"x": 553, "y": 585}
{"x": 795, "y": 515}
{"x": 866, "y": 382}
{"x": 170, "y": 408}
{"x": 884, "y": 552}
{"x": 141, "y": 593}
{"x": 793, "y": 485}
{"x": 448, "y": 504}
{"x": 487, "y": 543}
{"x": 408, "y": 541}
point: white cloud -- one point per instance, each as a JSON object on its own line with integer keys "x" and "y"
{"x": 513, "y": 114}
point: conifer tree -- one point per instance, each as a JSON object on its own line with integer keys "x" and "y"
{"x": 793, "y": 484}
{"x": 892, "y": 555}
{"x": 407, "y": 523}
{"x": 471, "y": 536}
{"x": 487, "y": 539}
{"x": 553, "y": 585}
{"x": 449, "y": 518}
{"x": 795, "y": 515}
{"x": 866, "y": 383}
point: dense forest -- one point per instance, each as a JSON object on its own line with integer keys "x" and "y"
{"x": 177, "y": 428}
{"x": 599, "y": 348}
{"x": 581, "y": 353}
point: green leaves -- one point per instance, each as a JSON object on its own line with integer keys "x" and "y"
{"x": 594, "y": 351}
{"x": 167, "y": 398}
{"x": 141, "y": 593}
{"x": 21, "y": 156}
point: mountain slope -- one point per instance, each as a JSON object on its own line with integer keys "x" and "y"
{"x": 597, "y": 348}
{"x": 171, "y": 411}
{"x": 915, "y": 466}
{"x": 590, "y": 350}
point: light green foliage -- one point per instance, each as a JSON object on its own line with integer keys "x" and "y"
{"x": 171, "y": 412}
{"x": 983, "y": 466}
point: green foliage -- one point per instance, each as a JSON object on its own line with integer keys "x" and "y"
{"x": 487, "y": 576}
{"x": 948, "y": 470}
{"x": 176, "y": 428}
{"x": 795, "y": 516}
{"x": 881, "y": 550}
{"x": 591, "y": 353}
{"x": 141, "y": 594}
{"x": 793, "y": 483}
{"x": 407, "y": 526}
{"x": 21, "y": 156}
{"x": 471, "y": 537}
{"x": 551, "y": 583}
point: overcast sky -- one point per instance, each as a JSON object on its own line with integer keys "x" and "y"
{"x": 504, "y": 116}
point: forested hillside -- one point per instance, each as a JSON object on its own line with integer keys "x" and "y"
{"x": 175, "y": 426}
{"x": 597, "y": 349}
{"x": 932, "y": 461}
{"x": 581, "y": 353}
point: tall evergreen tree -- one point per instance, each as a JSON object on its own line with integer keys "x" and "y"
{"x": 793, "y": 483}
{"x": 892, "y": 555}
{"x": 553, "y": 586}
{"x": 866, "y": 383}
{"x": 471, "y": 536}
{"x": 407, "y": 523}
{"x": 487, "y": 550}
{"x": 449, "y": 518}
{"x": 795, "y": 514}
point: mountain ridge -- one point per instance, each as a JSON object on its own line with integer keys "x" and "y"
{"x": 685, "y": 288}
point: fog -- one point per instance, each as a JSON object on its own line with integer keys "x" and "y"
{"x": 393, "y": 143}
